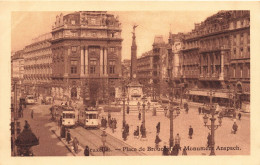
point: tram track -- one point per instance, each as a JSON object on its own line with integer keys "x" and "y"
{"x": 120, "y": 145}
{"x": 92, "y": 138}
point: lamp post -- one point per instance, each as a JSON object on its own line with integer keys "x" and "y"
{"x": 103, "y": 139}
{"x": 124, "y": 109}
{"x": 212, "y": 126}
{"x": 143, "y": 119}
{"x": 172, "y": 116}
{"x": 138, "y": 106}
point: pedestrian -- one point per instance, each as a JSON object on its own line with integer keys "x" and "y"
{"x": 60, "y": 123}
{"x": 178, "y": 141}
{"x": 68, "y": 137}
{"x": 127, "y": 109}
{"x": 190, "y": 132}
{"x": 158, "y": 127}
{"x": 239, "y": 116}
{"x": 75, "y": 144}
{"x": 209, "y": 140}
{"x": 62, "y": 132}
{"x": 115, "y": 123}
{"x": 127, "y": 129}
{"x": 165, "y": 151}
{"x": 105, "y": 123}
{"x": 187, "y": 109}
{"x": 139, "y": 115}
{"x": 199, "y": 110}
{"x": 86, "y": 151}
{"x": 32, "y": 113}
{"x": 234, "y": 127}
{"x": 157, "y": 141}
{"x": 175, "y": 150}
{"x": 124, "y": 134}
{"x": 136, "y": 132}
{"x": 102, "y": 122}
{"x": 184, "y": 152}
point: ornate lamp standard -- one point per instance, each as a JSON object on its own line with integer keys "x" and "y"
{"x": 138, "y": 106}
{"x": 212, "y": 126}
{"x": 124, "y": 108}
{"x": 143, "y": 120}
{"x": 172, "y": 116}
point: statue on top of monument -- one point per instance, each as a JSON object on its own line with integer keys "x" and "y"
{"x": 135, "y": 26}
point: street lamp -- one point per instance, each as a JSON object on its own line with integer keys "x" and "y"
{"x": 172, "y": 116}
{"x": 212, "y": 126}
{"x": 124, "y": 109}
{"x": 103, "y": 139}
{"x": 143, "y": 121}
{"x": 138, "y": 106}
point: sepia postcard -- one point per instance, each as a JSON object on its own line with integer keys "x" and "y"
{"x": 147, "y": 82}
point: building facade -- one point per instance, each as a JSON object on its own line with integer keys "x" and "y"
{"x": 38, "y": 66}
{"x": 145, "y": 71}
{"x": 86, "y": 49}
{"x": 126, "y": 65}
{"x": 152, "y": 69}
{"x": 216, "y": 55}
{"x": 17, "y": 71}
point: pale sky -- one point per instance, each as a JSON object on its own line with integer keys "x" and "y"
{"x": 28, "y": 25}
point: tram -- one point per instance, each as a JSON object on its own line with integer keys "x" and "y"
{"x": 68, "y": 116}
{"x": 89, "y": 117}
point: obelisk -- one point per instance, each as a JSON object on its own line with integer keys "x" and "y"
{"x": 133, "y": 56}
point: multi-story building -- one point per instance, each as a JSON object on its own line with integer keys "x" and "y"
{"x": 152, "y": 68}
{"x": 126, "y": 64}
{"x": 145, "y": 71}
{"x": 216, "y": 55}
{"x": 38, "y": 66}
{"x": 86, "y": 49}
{"x": 17, "y": 71}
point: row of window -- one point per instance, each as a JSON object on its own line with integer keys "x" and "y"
{"x": 241, "y": 36}
{"x": 240, "y": 53}
{"x": 93, "y": 66}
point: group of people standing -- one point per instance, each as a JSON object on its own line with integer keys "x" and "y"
{"x": 111, "y": 122}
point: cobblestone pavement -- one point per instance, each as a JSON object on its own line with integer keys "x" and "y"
{"x": 223, "y": 137}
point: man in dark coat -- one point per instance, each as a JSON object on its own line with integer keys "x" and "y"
{"x": 199, "y": 110}
{"x": 209, "y": 140}
{"x": 165, "y": 151}
{"x": 127, "y": 129}
{"x": 124, "y": 135}
{"x": 139, "y": 116}
{"x": 86, "y": 151}
{"x": 68, "y": 137}
{"x": 234, "y": 127}
{"x": 158, "y": 127}
{"x": 127, "y": 109}
{"x": 190, "y": 132}
{"x": 157, "y": 141}
{"x": 239, "y": 116}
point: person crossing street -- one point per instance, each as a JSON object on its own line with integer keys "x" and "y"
{"x": 190, "y": 132}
